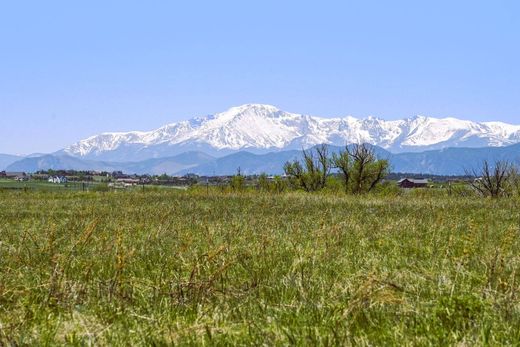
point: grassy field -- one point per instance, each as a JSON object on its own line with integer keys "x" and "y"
{"x": 96, "y": 185}
{"x": 9, "y": 184}
{"x": 173, "y": 267}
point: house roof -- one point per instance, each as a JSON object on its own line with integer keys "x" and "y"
{"x": 414, "y": 180}
{"x": 14, "y": 173}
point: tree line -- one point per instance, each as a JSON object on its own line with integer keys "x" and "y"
{"x": 360, "y": 171}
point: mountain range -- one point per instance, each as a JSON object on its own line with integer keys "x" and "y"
{"x": 7, "y": 159}
{"x": 450, "y": 161}
{"x": 263, "y": 128}
{"x": 261, "y": 138}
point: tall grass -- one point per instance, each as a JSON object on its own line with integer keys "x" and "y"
{"x": 166, "y": 267}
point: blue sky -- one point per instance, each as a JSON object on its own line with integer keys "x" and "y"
{"x": 71, "y": 69}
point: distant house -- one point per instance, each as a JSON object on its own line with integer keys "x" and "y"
{"x": 117, "y": 185}
{"x": 413, "y": 183}
{"x": 15, "y": 175}
{"x": 128, "y": 181}
{"x": 57, "y": 179}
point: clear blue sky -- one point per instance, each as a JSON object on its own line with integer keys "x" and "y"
{"x": 70, "y": 69}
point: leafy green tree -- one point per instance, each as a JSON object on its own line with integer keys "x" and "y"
{"x": 343, "y": 163}
{"x": 334, "y": 184}
{"x": 311, "y": 175}
{"x": 367, "y": 170}
{"x": 361, "y": 170}
{"x": 164, "y": 177}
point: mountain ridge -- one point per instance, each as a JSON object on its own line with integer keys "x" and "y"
{"x": 8, "y": 159}
{"x": 450, "y": 161}
{"x": 262, "y": 128}
{"x": 170, "y": 165}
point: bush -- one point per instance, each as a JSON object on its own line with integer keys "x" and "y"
{"x": 334, "y": 185}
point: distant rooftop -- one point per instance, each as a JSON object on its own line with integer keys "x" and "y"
{"x": 415, "y": 180}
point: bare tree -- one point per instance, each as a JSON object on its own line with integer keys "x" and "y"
{"x": 322, "y": 152}
{"x": 491, "y": 180}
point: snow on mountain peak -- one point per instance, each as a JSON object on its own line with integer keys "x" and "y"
{"x": 254, "y": 108}
{"x": 260, "y": 127}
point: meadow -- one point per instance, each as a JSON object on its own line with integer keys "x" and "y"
{"x": 9, "y": 184}
{"x": 217, "y": 268}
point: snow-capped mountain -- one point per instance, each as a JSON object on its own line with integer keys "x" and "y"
{"x": 262, "y": 128}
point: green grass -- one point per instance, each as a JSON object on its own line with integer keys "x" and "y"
{"x": 8, "y": 184}
{"x": 33, "y": 185}
{"x": 174, "y": 267}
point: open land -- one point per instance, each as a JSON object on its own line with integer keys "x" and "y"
{"x": 215, "y": 268}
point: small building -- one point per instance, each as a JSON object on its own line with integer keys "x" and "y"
{"x": 15, "y": 175}
{"x": 57, "y": 179}
{"x": 412, "y": 183}
{"x": 128, "y": 181}
{"x": 118, "y": 185}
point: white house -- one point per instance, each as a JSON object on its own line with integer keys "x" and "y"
{"x": 57, "y": 179}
